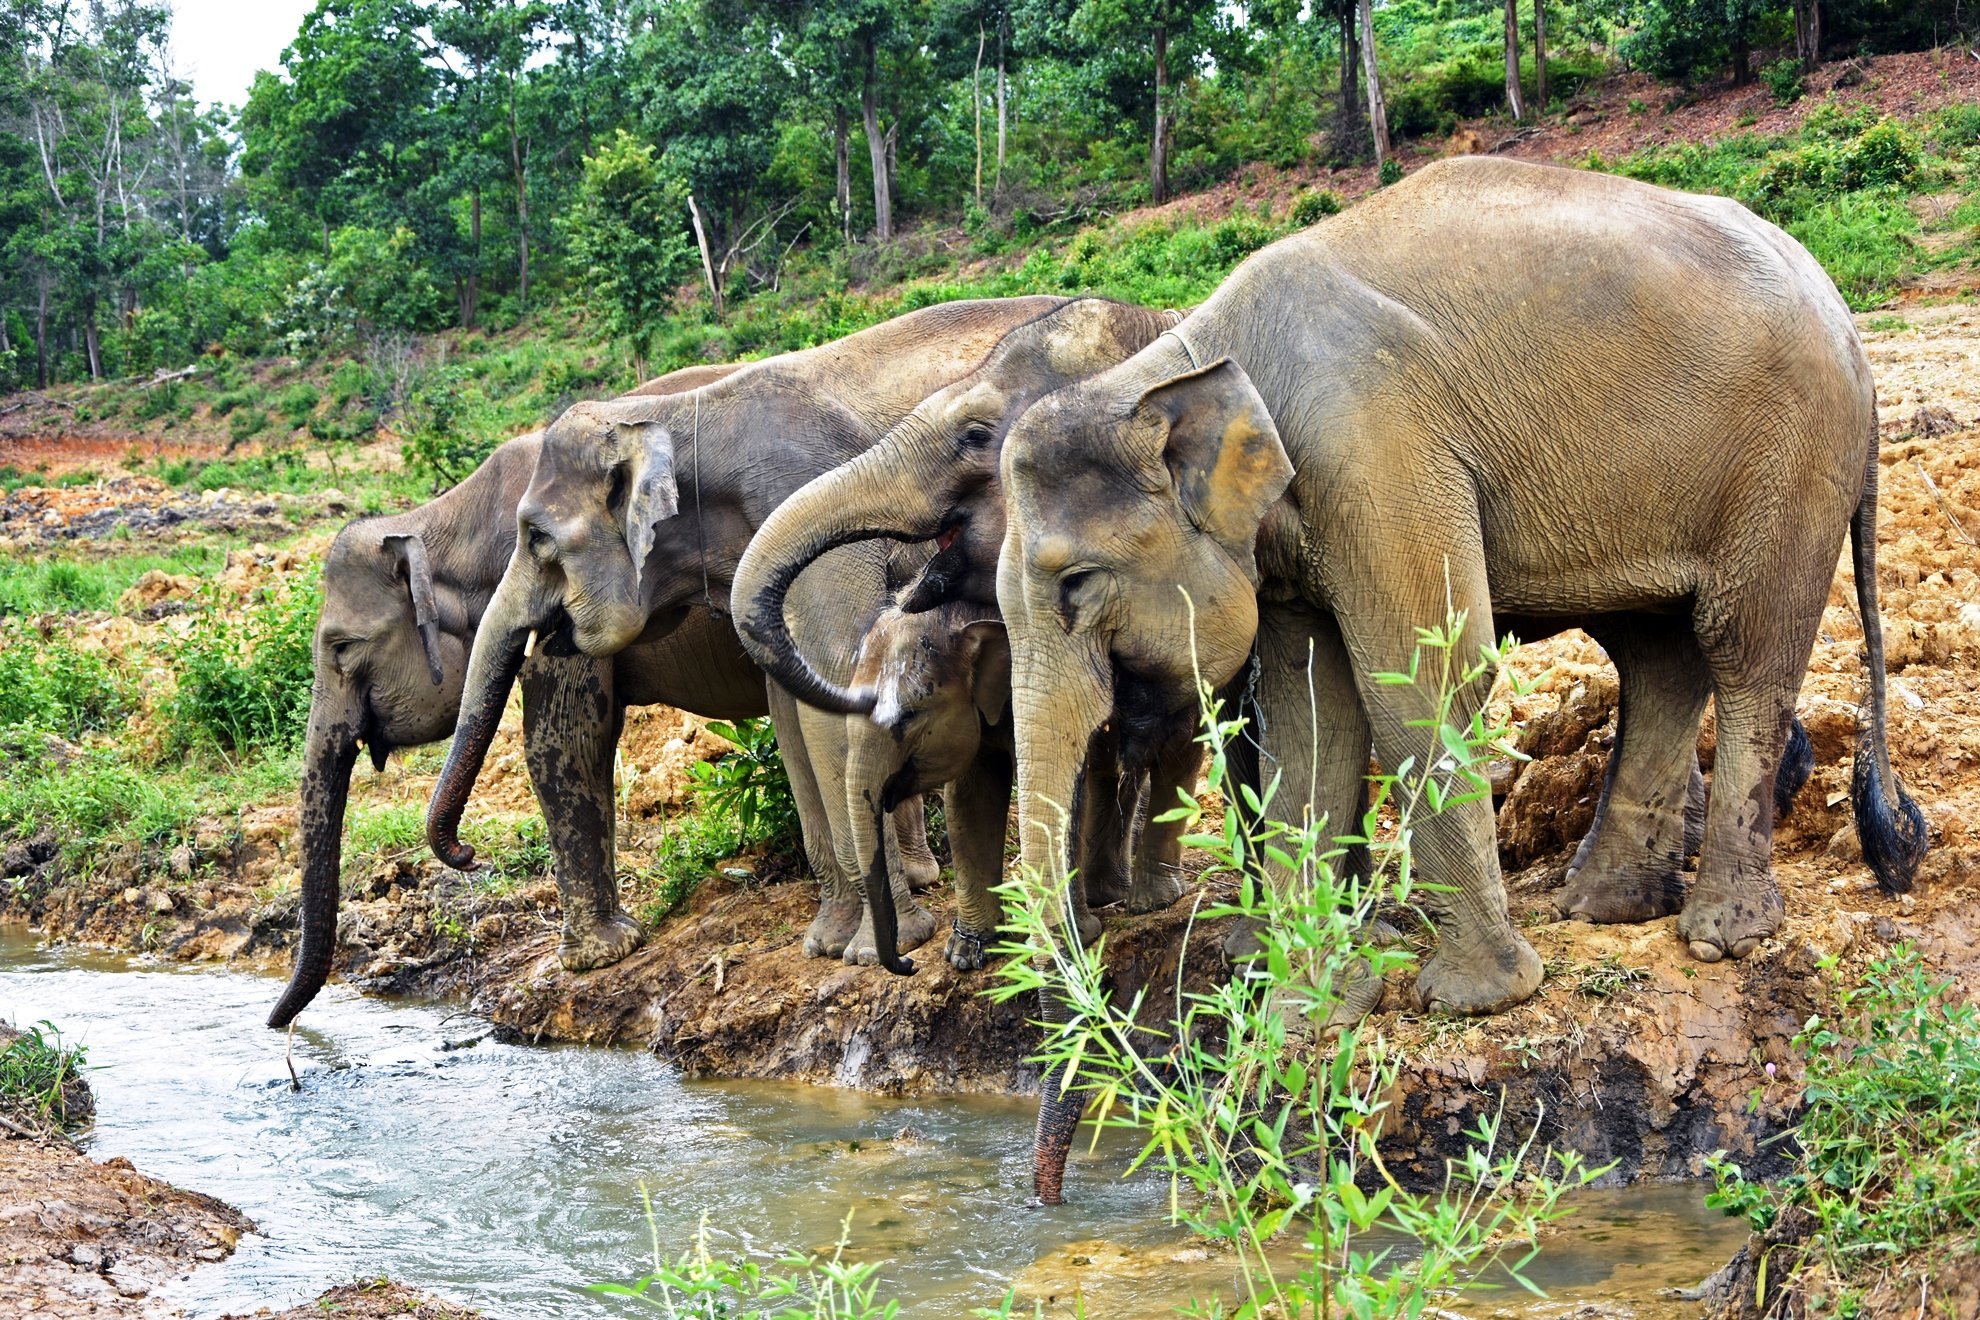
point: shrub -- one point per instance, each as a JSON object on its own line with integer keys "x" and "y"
{"x": 246, "y": 424}
{"x": 54, "y": 688}
{"x": 1315, "y": 205}
{"x": 1957, "y": 126}
{"x": 298, "y": 402}
{"x": 1889, "y": 1150}
{"x": 1391, "y": 172}
{"x": 1885, "y": 155}
{"x": 1238, "y": 237}
{"x": 1783, "y": 79}
{"x": 245, "y": 669}
{"x": 747, "y": 788}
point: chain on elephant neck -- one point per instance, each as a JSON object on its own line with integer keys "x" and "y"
{"x": 701, "y": 527}
{"x": 1188, "y": 352}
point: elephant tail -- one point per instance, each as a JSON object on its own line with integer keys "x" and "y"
{"x": 1889, "y": 824}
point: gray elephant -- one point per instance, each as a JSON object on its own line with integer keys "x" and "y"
{"x": 1536, "y": 395}
{"x": 639, "y": 509}
{"x": 402, "y": 596}
{"x": 935, "y": 476}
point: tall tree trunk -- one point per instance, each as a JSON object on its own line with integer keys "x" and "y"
{"x": 522, "y": 201}
{"x": 707, "y": 256}
{"x": 41, "y": 335}
{"x": 1808, "y": 33}
{"x": 472, "y": 307}
{"x": 1378, "y": 109}
{"x": 90, "y": 344}
{"x": 876, "y": 146}
{"x": 1514, "y": 105}
{"x": 1158, "y": 149}
{"x": 1002, "y": 103}
{"x": 1742, "y": 58}
{"x": 976, "y": 105}
{"x": 842, "y": 152}
{"x": 1540, "y": 56}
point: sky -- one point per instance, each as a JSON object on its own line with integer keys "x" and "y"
{"x": 219, "y": 44}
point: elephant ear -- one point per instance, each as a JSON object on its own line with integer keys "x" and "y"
{"x": 1223, "y": 453}
{"x": 991, "y": 676}
{"x": 410, "y": 550}
{"x": 647, "y": 450}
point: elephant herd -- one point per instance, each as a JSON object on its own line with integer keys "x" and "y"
{"x": 1003, "y": 540}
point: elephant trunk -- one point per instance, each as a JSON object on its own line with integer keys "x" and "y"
{"x": 887, "y": 491}
{"x": 336, "y": 715}
{"x": 880, "y": 897}
{"x": 1059, "y": 704}
{"x": 498, "y": 656}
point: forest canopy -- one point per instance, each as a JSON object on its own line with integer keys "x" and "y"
{"x": 420, "y": 165}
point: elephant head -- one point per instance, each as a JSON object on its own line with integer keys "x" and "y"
{"x": 391, "y": 648}
{"x": 934, "y": 475}
{"x": 1134, "y": 505}
{"x": 937, "y": 678}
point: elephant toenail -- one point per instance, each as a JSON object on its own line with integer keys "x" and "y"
{"x": 1706, "y": 952}
{"x": 1745, "y": 946}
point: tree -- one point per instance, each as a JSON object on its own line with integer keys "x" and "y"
{"x": 1178, "y": 33}
{"x": 1514, "y": 107}
{"x": 627, "y": 242}
{"x": 1378, "y": 112}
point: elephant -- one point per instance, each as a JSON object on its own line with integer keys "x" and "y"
{"x": 401, "y": 599}
{"x": 934, "y": 476}
{"x": 1532, "y": 394}
{"x": 639, "y": 509}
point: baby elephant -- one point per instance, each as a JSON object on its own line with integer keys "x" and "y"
{"x": 941, "y": 680}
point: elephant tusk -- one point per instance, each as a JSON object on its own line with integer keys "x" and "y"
{"x": 529, "y": 644}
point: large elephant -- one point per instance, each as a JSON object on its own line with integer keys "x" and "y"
{"x": 402, "y": 596}
{"x": 639, "y": 509}
{"x": 1533, "y": 394}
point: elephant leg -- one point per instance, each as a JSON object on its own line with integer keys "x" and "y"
{"x": 870, "y": 759}
{"x": 1629, "y": 867}
{"x": 1104, "y": 824}
{"x": 838, "y": 897}
{"x": 1757, "y": 646}
{"x": 571, "y": 723}
{"x": 1482, "y": 964}
{"x": 914, "y": 859}
{"x": 1158, "y": 873}
{"x": 979, "y": 807}
{"x": 1312, "y": 734}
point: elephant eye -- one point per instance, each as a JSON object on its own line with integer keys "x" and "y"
{"x": 539, "y": 542}
{"x": 1077, "y": 592}
{"x": 615, "y": 494}
{"x": 976, "y": 436}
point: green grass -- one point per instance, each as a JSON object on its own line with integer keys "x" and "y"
{"x": 39, "y": 1072}
{"x": 45, "y": 584}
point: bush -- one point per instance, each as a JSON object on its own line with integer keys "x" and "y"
{"x": 1391, "y": 172}
{"x": 1889, "y": 1158}
{"x": 1783, "y": 79}
{"x": 1315, "y": 205}
{"x": 1885, "y": 155}
{"x": 245, "y": 670}
{"x": 246, "y": 424}
{"x": 298, "y": 402}
{"x": 52, "y": 687}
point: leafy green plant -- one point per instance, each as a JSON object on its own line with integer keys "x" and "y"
{"x": 1889, "y": 1140}
{"x": 246, "y": 423}
{"x": 1315, "y": 205}
{"x": 1266, "y": 1134}
{"x": 298, "y": 402}
{"x": 1391, "y": 172}
{"x": 52, "y": 687}
{"x": 748, "y": 785}
{"x": 245, "y": 669}
{"x": 1783, "y": 79}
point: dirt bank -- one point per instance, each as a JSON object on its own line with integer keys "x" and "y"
{"x": 1632, "y": 1052}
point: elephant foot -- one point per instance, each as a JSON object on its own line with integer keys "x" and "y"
{"x": 1106, "y": 886}
{"x": 968, "y": 950}
{"x": 916, "y": 928}
{"x": 1730, "y": 920}
{"x": 922, "y": 873}
{"x": 1155, "y": 889}
{"x": 1479, "y": 976}
{"x": 1638, "y": 893}
{"x": 1089, "y": 928}
{"x": 1241, "y": 941}
{"x": 833, "y": 928}
{"x": 587, "y": 945}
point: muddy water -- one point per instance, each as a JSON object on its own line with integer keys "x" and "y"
{"x": 510, "y": 1176}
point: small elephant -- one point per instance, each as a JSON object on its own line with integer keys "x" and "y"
{"x": 639, "y": 509}
{"x": 1588, "y": 399}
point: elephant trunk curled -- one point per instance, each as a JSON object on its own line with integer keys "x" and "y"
{"x": 884, "y": 492}
{"x": 336, "y": 714}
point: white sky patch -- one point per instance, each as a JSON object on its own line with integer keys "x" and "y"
{"x": 219, "y": 44}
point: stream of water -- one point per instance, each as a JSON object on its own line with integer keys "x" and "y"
{"x": 510, "y": 1176}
